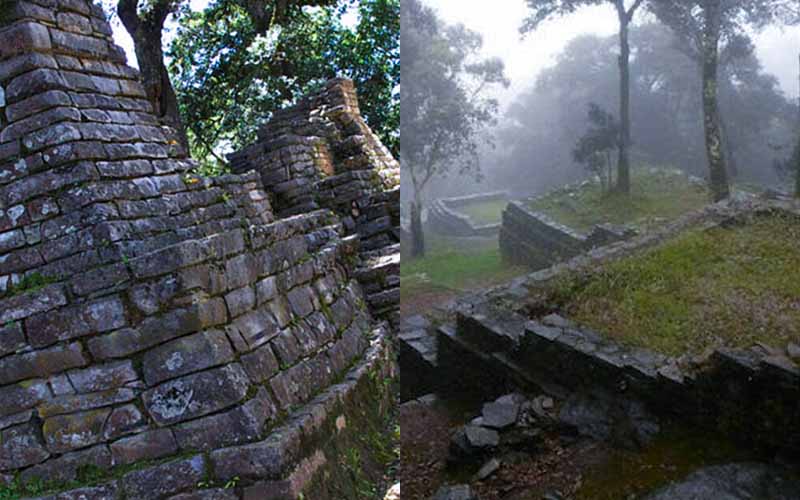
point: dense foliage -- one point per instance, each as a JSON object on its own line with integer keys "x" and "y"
{"x": 230, "y": 77}
{"x": 593, "y": 149}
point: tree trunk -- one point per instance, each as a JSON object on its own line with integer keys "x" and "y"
{"x": 623, "y": 163}
{"x": 417, "y": 234}
{"x": 718, "y": 176}
{"x": 797, "y": 148}
{"x": 146, "y": 33}
{"x": 730, "y": 156}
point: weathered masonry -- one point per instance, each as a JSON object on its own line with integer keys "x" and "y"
{"x": 164, "y": 335}
{"x": 446, "y": 217}
{"x": 321, "y": 153}
{"x": 535, "y": 240}
{"x": 507, "y": 338}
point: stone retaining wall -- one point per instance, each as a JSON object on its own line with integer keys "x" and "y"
{"x": 535, "y": 240}
{"x": 164, "y": 331}
{"x": 751, "y": 395}
{"x": 444, "y": 216}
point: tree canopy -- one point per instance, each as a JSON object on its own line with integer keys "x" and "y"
{"x": 445, "y": 104}
{"x": 231, "y": 73}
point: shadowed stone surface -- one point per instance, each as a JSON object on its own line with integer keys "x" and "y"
{"x": 158, "y": 320}
{"x": 733, "y": 482}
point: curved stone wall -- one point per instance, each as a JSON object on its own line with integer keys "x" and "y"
{"x": 162, "y": 335}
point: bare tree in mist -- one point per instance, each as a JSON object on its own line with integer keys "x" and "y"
{"x": 444, "y": 106}
{"x": 714, "y": 30}
{"x": 542, "y": 10}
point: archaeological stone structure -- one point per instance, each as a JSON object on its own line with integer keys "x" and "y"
{"x": 445, "y": 215}
{"x": 321, "y": 153}
{"x": 165, "y": 335}
{"x": 532, "y": 239}
{"x": 506, "y": 339}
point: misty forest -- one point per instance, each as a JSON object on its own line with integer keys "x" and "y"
{"x": 600, "y": 249}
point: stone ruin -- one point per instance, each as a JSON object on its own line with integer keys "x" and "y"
{"x": 510, "y": 339}
{"x": 532, "y": 239}
{"x": 321, "y": 153}
{"x": 164, "y": 335}
{"x": 446, "y": 217}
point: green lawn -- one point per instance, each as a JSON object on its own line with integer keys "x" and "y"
{"x": 485, "y": 212}
{"x": 655, "y": 197}
{"x": 725, "y": 286}
{"x": 454, "y": 265}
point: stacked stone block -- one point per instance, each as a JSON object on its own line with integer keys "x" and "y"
{"x": 445, "y": 215}
{"x": 148, "y": 314}
{"x": 535, "y": 240}
{"x": 321, "y": 153}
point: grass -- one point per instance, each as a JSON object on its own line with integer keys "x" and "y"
{"x": 731, "y": 286}
{"x": 656, "y": 196}
{"x": 484, "y": 212}
{"x": 453, "y": 265}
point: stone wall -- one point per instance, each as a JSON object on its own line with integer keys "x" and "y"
{"x": 493, "y": 344}
{"x": 535, "y": 240}
{"x": 321, "y": 153}
{"x": 445, "y": 216}
{"x": 164, "y": 331}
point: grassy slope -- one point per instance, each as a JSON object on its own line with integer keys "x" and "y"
{"x": 732, "y": 286}
{"x": 655, "y": 196}
{"x": 454, "y": 264}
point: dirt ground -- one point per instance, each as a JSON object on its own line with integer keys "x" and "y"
{"x": 556, "y": 467}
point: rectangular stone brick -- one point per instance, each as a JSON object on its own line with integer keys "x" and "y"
{"x": 11, "y": 68}
{"x": 165, "y": 479}
{"x": 27, "y": 304}
{"x": 156, "y": 330}
{"x": 34, "y": 82}
{"x": 149, "y": 445}
{"x": 95, "y": 317}
{"x": 65, "y": 433}
{"x": 256, "y": 327}
{"x": 71, "y": 403}
{"x": 20, "y": 446}
{"x": 12, "y": 338}
{"x": 237, "y": 426}
{"x": 65, "y": 468}
{"x": 260, "y": 364}
{"x": 196, "y": 395}
{"x": 26, "y": 36}
{"x": 41, "y": 363}
{"x": 79, "y": 44}
{"x": 263, "y": 460}
{"x": 19, "y": 397}
{"x": 103, "y": 377}
{"x": 185, "y": 355}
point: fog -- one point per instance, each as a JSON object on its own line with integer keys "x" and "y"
{"x": 542, "y": 113}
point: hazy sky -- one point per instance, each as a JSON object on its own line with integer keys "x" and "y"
{"x": 524, "y": 58}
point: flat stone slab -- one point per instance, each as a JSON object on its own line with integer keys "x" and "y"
{"x": 481, "y": 437}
